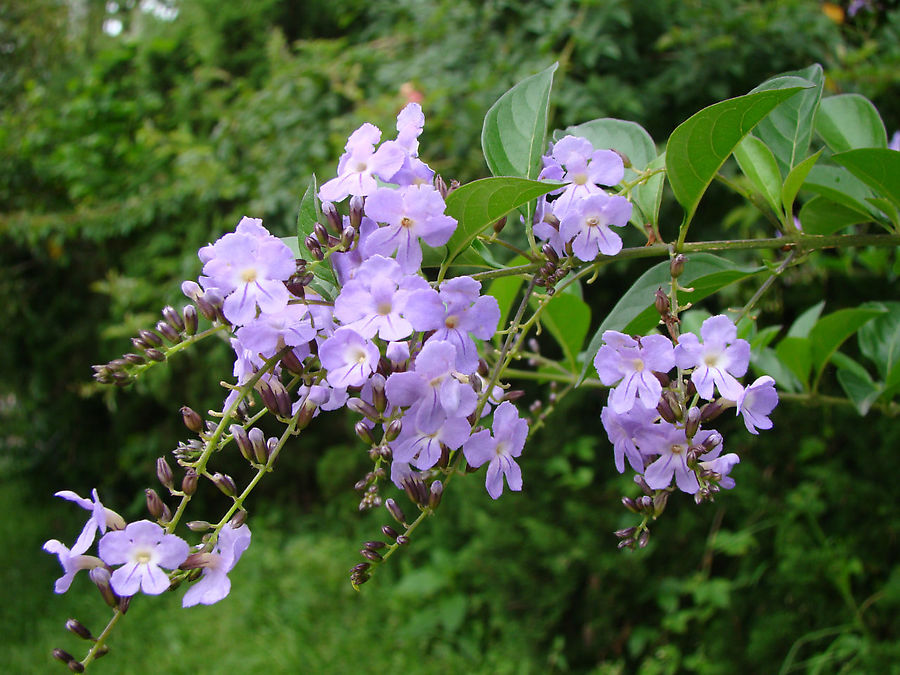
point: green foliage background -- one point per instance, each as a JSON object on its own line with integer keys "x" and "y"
{"x": 120, "y": 156}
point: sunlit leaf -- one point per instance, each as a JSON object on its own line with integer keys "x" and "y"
{"x": 876, "y": 167}
{"x": 758, "y": 163}
{"x": 850, "y": 121}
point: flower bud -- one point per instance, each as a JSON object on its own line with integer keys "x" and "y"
{"x": 154, "y": 504}
{"x": 150, "y": 338}
{"x": 630, "y": 504}
{"x": 692, "y": 423}
{"x": 313, "y": 245}
{"x": 79, "y": 629}
{"x": 348, "y": 234}
{"x": 206, "y": 308}
{"x": 291, "y": 363}
{"x": 134, "y": 359}
{"x": 155, "y": 355}
{"x": 389, "y": 531}
{"x": 625, "y": 533}
{"x": 395, "y": 511}
{"x": 643, "y": 539}
{"x": 361, "y": 407}
{"x": 225, "y": 483}
{"x": 189, "y": 482}
{"x": 499, "y": 225}
{"x": 164, "y": 473}
{"x": 173, "y": 318}
{"x": 357, "y": 207}
{"x": 676, "y": 266}
{"x": 379, "y": 398}
{"x": 199, "y": 526}
{"x": 645, "y": 503}
{"x": 660, "y": 500}
{"x": 550, "y": 253}
{"x": 271, "y": 446}
{"x": 623, "y": 157}
{"x": 642, "y": 484}
{"x": 374, "y": 545}
{"x": 440, "y": 185}
{"x": 393, "y": 430}
{"x": 100, "y": 576}
{"x": 364, "y": 433}
{"x": 164, "y": 329}
{"x": 361, "y": 567}
{"x": 242, "y": 440}
{"x": 712, "y": 410}
{"x": 238, "y": 519}
{"x": 415, "y": 489}
{"x": 711, "y": 441}
{"x": 374, "y": 556}
{"x": 665, "y": 410}
{"x": 321, "y": 234}
{"x": 661, "y": 302}
{"x": 402, "y": 540}
{"x": 192, "y": 419}
{"x": 190, "y": 319}
{"x": 435, "y": 493}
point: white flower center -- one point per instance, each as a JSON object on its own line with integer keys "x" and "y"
{"x": 248, "y": 275}
{"x": 580, "y": 178}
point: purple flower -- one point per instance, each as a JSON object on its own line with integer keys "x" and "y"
{"x": 361, "y": 163}
{"x": 410, "y": 213}
{"x": 71, "y": 560}
{"x": 588, "y": 222}
{"x": 671, "y": 444}
{"x": 455, "y": 314}
{"x": 215, "y": 584}
{"x": 143, "y": 549}
{"x": 345, "y": 264}
{"x": 722, "y": 466}
{"x": 249, "y": 265}
{"x": 101, "y": 518}
{"x": 373, "y": 301}
{"x": 349, "y": 358}
{"x": 631, "y": 363}
{"x": 423, "y": 448}
{"x": 269, "y": 333}
{"x": 414, "y": 171}
{"x": 573, "y": 160}
{"x": 756, "y": 402}
{"x": 510, "y": 432}
{"x": 895, "y": 141}
{"x": 624, "y": 429}
{"x": 721, "y": 358}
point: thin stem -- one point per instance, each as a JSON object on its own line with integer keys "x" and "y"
{"x": 101, "y": 639}
{"x": 765, "y": 286}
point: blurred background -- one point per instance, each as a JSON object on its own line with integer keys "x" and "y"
{"x": 133, "y": 132}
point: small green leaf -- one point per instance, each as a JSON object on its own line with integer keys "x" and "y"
{"x": 568, "y": 318}
{"x": 635, "y": 313}
{"x": 766, "y": 362}
{"x": 796, "y": 353}
{"x": 823, "y": 216}
{"x": 515, "y": 128}
{"x": 699, "y": 146}
{"x": 850, "y": 121}
{"x": 479, "y": 204}
{"x": 859, "y": 388}
{"x": 758, "y": 163}
{"x": 879, "y": 340}
{"x": 840, "y": 186}
{"x": 309, "y": 213}
{"x": 788, "y": 129}
{"x": 764, "y": 337}
{"x": 804, "y": 323}
{"x": 888, "y": 208}
{"x": 876, "y": 167}
{"x": 794, "y": 180}
{"x": 648, "y": 195}
{"x": 830, "y": 332}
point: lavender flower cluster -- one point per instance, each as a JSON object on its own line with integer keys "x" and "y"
{"x": 655, "y": 421}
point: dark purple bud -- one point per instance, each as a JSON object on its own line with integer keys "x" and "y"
{"x": 164, "y": 473}
{"x": 190, "y": 319}
{"x": 374, "y": 556}
{"x": 415, "y": 489}
{"x": 499, "y": 225}
{"x": 386, "y": 452}
{"x": 100, "y": 576}
{"x": 313, "y": 245}
{"x": 389, "y": 531}
{"x": 676, "y": 266}
{"x": 348, "y": 234}
{"x": 661, "y": 303}
{"x": 271, "y": 446}
{"x": 134, "y": 359}
{"x": 483, "y": 367}
{"x": 624, "y": 158}
{"x": 192, "y": 420}
{"x": 304, "y": 417}
{"x": 625, "y": 533}
{"x": 207, "y": 309}
{"x": 63, "y": 656}
{"x": 361, "y": 484}
{"x": 395, "y": 511}
{"x": 173, "y": 318}
{"x": 154, "y": 504}
{"x": 150, "y": 338}
{"x": 321, "y": 234}
{"x": 393, "y": 430}
{"x": 630, "y": 504}
{"x": 291, "y": 363}
{"x": 155, "y": 355}
{"x": 364, "y": 433}
{"x": 357, "y": 208}
{"x": 645, "y": 503}
{"x": 379, "y": 398}
{"x": 712, "y": 410}
{"x": 513, "y": 394}
{"x": 361, "y": 407}
{"x": 332, "y": 217}
{"x": 403, "y": 540}
{"x": 625, "y": 543}
{"x": 642, "y": 484}
{"x": 550, "y": 253}
{"x": 711, "y": 441}
{"x": 268, "y": 396}
{"x": 374, "y": 545}
{"x": 660, "y": 500}
{"x": 238, "y": 519}
{"x": 199, "y": 526}
{"x": 242, "y": 440}
{"x": 361, "y": 567}
{"x": 79, "y": 629}
{"x": 665, "y": 411}
{"x": 189, "y": 482}
{"x": 435, "y": 493}
{"x": 139, "y": 344}
{"x": 440, "y": 185}
{"x": 643, "y": 539}
{"x": 124, "y": 603}
{"x": 168, "y": 332}
{"x": 692, "y": 422}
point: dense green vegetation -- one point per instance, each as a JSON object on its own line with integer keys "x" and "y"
{"x": 120, "y": 156}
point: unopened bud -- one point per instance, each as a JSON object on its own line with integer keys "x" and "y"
{"x": 665, "y": 411}
{"x": 402, "y": 540}
{"x": 199, "y": 525}
{"x": 164, "y": 329}
{"x": 393, "y": 430}
{"x": 661, "y": 302}
{"x": 643, "y": 539}
{"x": 258, "y": 442}
{"x": 625, "y": 533}
{"x": 550, "y": 253}
{"x": 379, "y": 398}
{"x": 676, "y": 266}
{"x": 154, "y": 503}
{"x": 374, "y": 556}
{"x": 435, "y": 493}
{"x": 659, "y": 502}
{"x": 238, "y": 519}
{"x": 364, "y": 433}
{"x": 499, "y": 225}
{"x": 100, "y": 576}
{"x": 242, "y": 440}
{"x": 150, "y": 338}
{"x": 173, "y": 318}
{"x": 225, "y": 483}
{"x": 206, "y": 308}
{"x": 711, "y": 441}
{"x": 712, "y": 410}
{"x": 190, "y": 319}
{"x": 357, "y": 207}
{"x": 313, "y": 245}
{"x": 692, "y": 423}
{"x": 134, "y": 359}
{"x": 192, "y": 419}
{"x": 440, "y": 185}
{"x": 630, "y": 504}
{"x": 645, "y": 503}
{"x": 189, "y": 482}
{"x": 623, "y": 157}
{"x": 389, "y": 531}
{"x": 64, "y": 656}
{"x": 374, "y": 544}
{"x": 395, "y": 511}
{"x": 164, "y": 473}
{"x": 155, "y": 355}
{"x": 361, "y": 407}
{"x": 79, "y": 629}
{"x": 290, "y": 362}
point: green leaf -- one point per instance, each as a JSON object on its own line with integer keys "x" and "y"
{"x": 794, "y": 180}
{"x": 324, "y": 282}
{"x": 830, "y": 332}
{"x": 648, "y": 196}
{"x": 839, "y": 185}
{"x": 823, "y": 216}
{"x": 850, "y": 121}
{"x": 758, "y": 163}
{"x": 876, "y": 167}
{"x": 633, "y": 141}
{"x": 479, "y": 204}
{"x": 796, "y": 353}
{"x": 635, "y": 313}
{"x": 699, "y": 146}
{"x": 766, "y": 362}
{"x": 859, "y": 388}
{"x": 888, "y": 208}
{"x": 764, "y": 338}
{"x": 879, "y": 340}
{"x": 309, "y": 213}
{"x": 804, "y": 323}
{"x": 515, "y": 128}
{"x": 788, "y": 129}
{"x": 568, "y": 318}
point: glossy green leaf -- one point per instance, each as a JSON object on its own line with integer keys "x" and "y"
{"x": 887, "y": 207}
{"x": 879, "y": 340}
{"x": 859, "y": 388}
{"x": 479, "y": 204}
{"x": 635, "y": 313}
{"x": 758, "y": 164}
{"x": 788, "y": 129}
{"x": 515, "y": 128}
{"x": 830, "y": 332}
{"x": 850, "y": 121}
{"x": 766, "y": 362}
{"x": 796, "y": 354}
{"x": 804, "y": 323}
{"x": 699, "y": 146}
{"x": 840, "y": 186}
{"x": 648, "y": 195}
{"x": 567, "y": 317}
{"x": 876, "y": 167}
{"x": 764, "y": 338}
{"x": 794, "y": 180}
{"x": 823, "y": 216}
{"x": 309, "y": 213}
